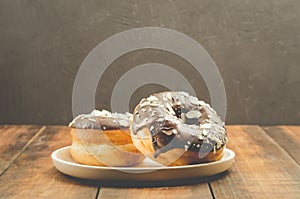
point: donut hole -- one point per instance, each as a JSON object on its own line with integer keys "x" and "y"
{"x": 187, "y": 116}
{"x": 191, "y": 121}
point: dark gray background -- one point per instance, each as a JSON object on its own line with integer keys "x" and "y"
{"x": 254, "y": 43}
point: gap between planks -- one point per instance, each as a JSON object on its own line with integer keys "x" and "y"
{"x": 264, "y": 129}
{"x": 211, "y": 190}
{"x": 98, "y": 191}
{"x": 286, "y": 138}
{"x": 22, "y": 150}
{"x": 268, "y": 178}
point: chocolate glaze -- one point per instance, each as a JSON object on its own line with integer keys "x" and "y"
{"x": 102, "y": 120}
{"x": 178, "y": 120}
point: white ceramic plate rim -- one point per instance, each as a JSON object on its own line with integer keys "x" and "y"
{"x": 228, "y": 157}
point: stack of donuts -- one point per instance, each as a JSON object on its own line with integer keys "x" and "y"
{"x": 171, "y": 128}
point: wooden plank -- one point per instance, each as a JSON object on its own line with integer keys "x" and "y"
{"x": 288, "y": 137}
{"x": 33, "y": 175}
{"x": 13, "y": 140}
{"x": 182, "y": 189}
{"x": 262, "y": 169}
{"x": 192, "y": 191}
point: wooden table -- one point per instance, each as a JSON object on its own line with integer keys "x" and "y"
{"x": 266, "y": 166}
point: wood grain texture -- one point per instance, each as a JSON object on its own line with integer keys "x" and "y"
{"x": 13, "y": 140}
{"x": 33, "y": 175}
{"x": 180, "y": 192}
{"x": 262, "y": 169}
{"x": 288, "y": 137}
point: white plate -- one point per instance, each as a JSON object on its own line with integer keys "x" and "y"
{"x": 146, "y": 171}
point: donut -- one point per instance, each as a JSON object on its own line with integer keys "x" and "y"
{"x": 102, "y": 138}
{"x": 175, "y": 128}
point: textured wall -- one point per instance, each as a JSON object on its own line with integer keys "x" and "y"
{"x": 255, "y": 44}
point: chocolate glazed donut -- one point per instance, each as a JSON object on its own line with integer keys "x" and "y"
{"x": 102, "y": 138}
{"x": 174, "y": 128}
